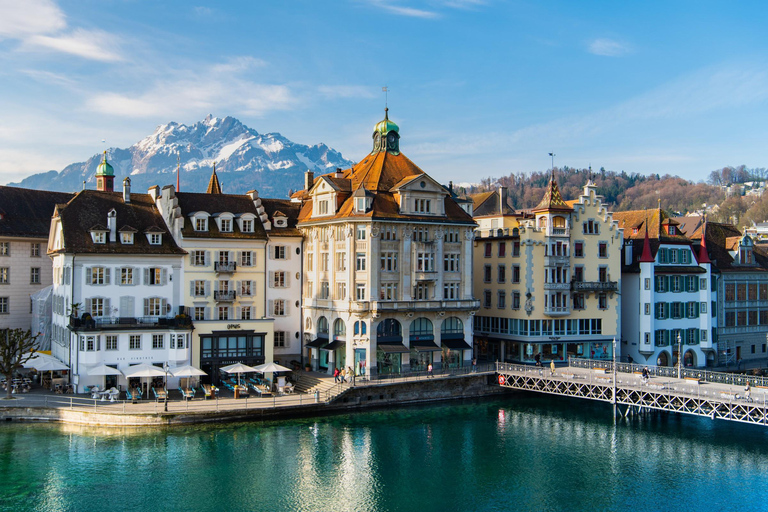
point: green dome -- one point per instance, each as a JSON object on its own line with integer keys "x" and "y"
{"x": 386, "y": 126}
{"x": 104, "y": 169}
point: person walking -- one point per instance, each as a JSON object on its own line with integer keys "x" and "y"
{"x": 552, "y": 367}
{"x": 351, "y": 374}
{"x": 474, "y": 365}
{"x": 343, "y": 375}
{"x": 747, "y": 393}
{"x": 336, "y": 375}
{"x": 429, "y": 371}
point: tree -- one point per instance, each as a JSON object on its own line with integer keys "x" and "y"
{"x": 17, "y": 346}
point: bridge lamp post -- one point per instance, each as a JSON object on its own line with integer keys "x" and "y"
{"x": 614, "y": 373}
{"x": 679, "y": 356}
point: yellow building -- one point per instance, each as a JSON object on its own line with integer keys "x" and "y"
{"x": 548, "y": 279}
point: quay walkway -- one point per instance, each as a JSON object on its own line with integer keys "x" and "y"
{"x": 698, "y": 392}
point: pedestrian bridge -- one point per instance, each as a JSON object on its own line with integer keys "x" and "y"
{"x": 694, "y": 391}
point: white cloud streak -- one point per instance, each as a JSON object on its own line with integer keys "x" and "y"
{"x": 410, "y": 12}
{"x": 30, "y": 17}
{"x": 89, "y": 44}
{"x": 608, "y": 48}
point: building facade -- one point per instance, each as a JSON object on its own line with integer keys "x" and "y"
{"x": 668, "y": 292}
{"x": 548, "y": 279}
{"x": 387, "y": 266}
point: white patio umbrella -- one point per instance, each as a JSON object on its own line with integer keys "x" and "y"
{"x": 238, "y": 368}
{"x": 38, "y": 358}
{"x": 144, "y": 370}
{"x": 46, "y": 364}
{"x": 187, "y": 371}
{"x": 104, "y": 370}
{"x": 271, "y": 367}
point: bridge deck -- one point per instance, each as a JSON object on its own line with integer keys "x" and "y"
{"x": 687, "y": 395}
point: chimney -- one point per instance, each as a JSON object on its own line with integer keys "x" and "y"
{"x": 112, "y": 225}
{"x": 309, "y": 180}
{"x": 502, "y": 198}
{"x": 339, "y": 173}
{"x": 127, "y": 190}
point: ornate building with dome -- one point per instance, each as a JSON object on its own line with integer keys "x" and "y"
{"x": 387, "y": 266}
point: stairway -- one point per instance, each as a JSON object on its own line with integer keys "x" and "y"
{"x": 309, "y": 382}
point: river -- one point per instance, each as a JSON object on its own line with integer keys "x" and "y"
{"x": 510, "y": 454}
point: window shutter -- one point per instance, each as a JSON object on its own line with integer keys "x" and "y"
{"x": 87, "y": 306}
{"x": 286, "y": 307}
{"x": 238, "y": 313}
{"x": 287, "y": 252}
{"x": 271, "y": 279}
{"x": 192, "y": 258}
{"x": 164, "y": 276}
{"x": 107, "y": 307}
{"x": 146, "y": 307}
{"x": 207, "y": 288}
{"x": 231, "y": 255}
{"x": 238, "y": 287}
{"x": 68, "y": 274}
{"x": 666, "y": 283}
{"x": 206, "y": 258}
{"x": 287, "y": 279}
{"x": 191, "y": 288}
{"x": 146, "y": 276}
{"x": 164, "y": 307}
{"x": 127, "y": 306}
{"x": 696, "y": 310}
{"x": 271, "y": 307}
{"x": 107, "y": 273}
{"x": 271, "y": 252}
{"x": 88, "y": 276}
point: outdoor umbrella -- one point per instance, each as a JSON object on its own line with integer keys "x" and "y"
{"x": 46, "y": 364}
{"x": 144, "y": 370}
{"x": 271, "y": 367}
{"x": 238, "y": 368}
{"x": 187, "y": 371}
{"x": 104, "y": 370}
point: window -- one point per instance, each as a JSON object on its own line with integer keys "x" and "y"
{"x": 134, "y": 342}
{"x": 425, "y": 262}
{"x": 4, "y": 306}
{"x": 155, "y": 239}
{"x": 35, "y": 250}
{"x": 502, "y": 300}
{"x": 421, "y": 291}
{"x": 578, "y": 273}
{"x": 423, "y": 206}
{"x": 389, "y": 262}
{"x": 324, "y": 261}
{"x": 325, "y": 290}
{"x": 34, "y": 275}
{"x": 579, "y": 301}
{"x": 126, "y": 276}
{"x": 199, "y": 313}
{"x": 280, "y": 337}
{"x": 246, "y": 288}
{"x": 591, "y": 227}
{"x": 247, "y": 226}
{"x": 602, "y": 250}
{"x": 98, "y": 275}
{"x": 201, "y": 224}
{"x": 279, "y": 279}
{"x": 246, "y": 313}
{"x": 89, "y": 343}
{"x": 280, "y": 252}
{"x": 502, "y": 249}
{"x": 703, "y": 308}
{"x": 647, "y": 283}
{"x": 341, "y": 291}
{"x": 647, "y": 308}
{"x": 322, "y": 207}
{"x": 110, "y": 343}
{"x": 451, "y": 291}
{"x": 730, "y": 292}
{"x": 360, "y": 233}
{"x": 246, "y": 258}
{"x": 502, "y": 273}
{"x": 199, "y": 288}
{"x": 5, "y": 248}
{"x": 389, "y": 233}
{"x": 226, "y": 225}
{"x": 515, "y": 248}
{"x": 98, "y": 306}
{"x": 154, "y": 306}
{"x": 672, "y": 253}
{"x": 487, "y": 298}
{"x": 360, "y": 261}
{"x": 578, "y": 249}
{"x": 99, "y": 237}
{"x": 279, "y": 307}
{"x": 154, "y": 276}
{"x": 515, "y": 300}
{"x": 198, "y": 258}
{"x": 602, "y": 301}
{"x": 360, "y": 291}
{"x": 488, "y": 249}
{"x": 515, "y": 273}
{"x": 310, "y": 261}
{"x": 126, "y": 238}
{"x": 341, "y": 261}
{"x": 421, "y": 234}
{"x": 223, "y": 312}
{"x": 158, "y": 341}
{"x": 451, "y": 263}
{"x": 487, "y": 274}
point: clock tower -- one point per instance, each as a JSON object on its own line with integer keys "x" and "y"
{"x": 386, "y": 136}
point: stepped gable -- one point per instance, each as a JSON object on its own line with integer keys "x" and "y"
{"x": 191, "y": 202}
{"x": 90, "y": 207}
{"x": 656, "y": 222}
{"x": 289, "y": 209}
{"x": 27, "y": 213}
{"x": 552, "y": 200}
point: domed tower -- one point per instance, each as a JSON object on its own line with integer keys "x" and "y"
{"x": 386, "y": 136}
{"x": 105, "y": 176}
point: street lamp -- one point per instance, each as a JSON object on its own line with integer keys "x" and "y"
{"x": 679, "y": 356}
{"x": 165, "y": 401}
{"x": 614, "y": 374}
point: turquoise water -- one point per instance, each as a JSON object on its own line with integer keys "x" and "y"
{"x": 511, "y": 454}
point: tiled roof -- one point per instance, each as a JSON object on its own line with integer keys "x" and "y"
{"x": 656, "y": 217}
{"x": 90, "y": 208}
{"x": 488, "y": 205}
{"x": 552, "y": 199}
{"x": 235, "y": 204}
{"x": 27, "y": 213}
{"x": 288, "y": 209}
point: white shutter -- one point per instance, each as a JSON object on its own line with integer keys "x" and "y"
{"x": 87, "y": 306}
{"x": 191, "y": 288}
{"x": 238, "y": 313}
{"x": 88, "y": 276}
{"x": 287, "y": 279}
{"x": 126, "y": 306}
{"x": 68, "y": 274}
{"x": 164, "y": 307}
{"x": 207, "y": 288}
{"x": 238, "y": 287}
{"x": 207, "y": 258}
{"x": 107, "y": 307}
{"x": 271, "y": 282}
{"x": 231, "y": 256}
{"x": 146, "y": 307}
{"x": 191, "y": 258}
{"x": 164, "y": 276}
{"x": 286, "y": 307}
{"x": 287, "y": 252}
{"x": 207, "y": 313}
{"x": 270, "y": 307}
{"x": 146, "y": 276}
{"x": 271, "y": 252}
{"x": 215, "y": 286}
{"x": 107, "y": 273}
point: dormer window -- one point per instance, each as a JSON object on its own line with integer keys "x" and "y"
{"x": 672, "y": 230}
{"x": 280, "y": 223}
{"x": 99, "y": 237}
{"x": 322, "y": 207}
{"x": 423, "y": 205}
{"x": 126, "y": 238}
{"x": 634, "y": 231}
{"x": 201, "y": 224}
{"x": 247, "y": 226}
{"x": 225, "y": 225}
{"x": 360, "y": 205}
{"x": 155, "y": 238}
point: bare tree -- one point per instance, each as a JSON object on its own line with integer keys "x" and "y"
{"x": 17, "y": 346}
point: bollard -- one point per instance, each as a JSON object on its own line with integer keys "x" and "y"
{"x": 317, "y": 396}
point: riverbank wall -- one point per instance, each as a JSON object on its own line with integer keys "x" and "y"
{"x": 378, "y": 394}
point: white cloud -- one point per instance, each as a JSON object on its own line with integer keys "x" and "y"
{"x": 608, "y": 48}
{"x": 410, "y": 12}
{"x": 21, "y": 19}
{"x": 238, "y": 64}
{"x": 89, "y": 44}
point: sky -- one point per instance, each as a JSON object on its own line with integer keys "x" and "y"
{"x": 479, "y": 88}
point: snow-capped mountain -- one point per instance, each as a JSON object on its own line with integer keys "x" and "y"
{"x": 245, "y": 160}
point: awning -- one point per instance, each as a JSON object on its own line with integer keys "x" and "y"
{"x": 317, "y": 343}
{"x": 393, "y": 348}
{"x": 425, "y": 346}
{"x": 334, "y": 345}
{"x": 456, "y": 344}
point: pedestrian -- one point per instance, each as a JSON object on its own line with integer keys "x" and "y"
{"x": 336, "y": 375}
{"x": 343, "y": 375}
{"x": 429, "y": 371}
{"x": 474, "y": 364}
{"x": 747, "y": 393}
{"x": 351, "y": 374}
{"x": 646, "y": 375}
{"x": 552, "y": 367}
{"x": 537, "y": 358}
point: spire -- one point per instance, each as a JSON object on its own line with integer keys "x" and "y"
{"x": 213, "y": 185}
{"x": 646, "y": 257}
{"x": 178, "y": 165}
{"x": 105, "y": 175}
{"x": 552, "y": 199}
{"x": 703, "y": 254}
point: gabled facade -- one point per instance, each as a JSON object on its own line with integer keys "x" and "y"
{"x": 548, "y": 279}
{"x": 224, "y": 284}
{"x": 668, "y": 292}
{"x": 25, "y": 219}
{"x": 117, "y": 287}
{"x": 387, "y": 266}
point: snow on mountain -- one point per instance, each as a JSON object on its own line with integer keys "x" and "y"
{"x": 245, "y": 160}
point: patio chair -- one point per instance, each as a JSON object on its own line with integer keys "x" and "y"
{"x": 187, "y": 393}
{"x": 160, "y": 394}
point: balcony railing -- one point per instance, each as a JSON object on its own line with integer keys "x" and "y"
{"x": 123, "y": 322}
{"x": 224, "y": 296}
{"x": 557, "y": 310}
{"x": 556, "y": 261}
{"x": 424, "y": 305}
{"x": 594, "y": 286}
{"x": 228, "y": 267}
{"x": 428, "y": 275}
{"x": 557, "y": 286}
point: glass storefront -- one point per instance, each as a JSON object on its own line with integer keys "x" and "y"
{"x": 223, "y": 348}
{"x": 523, "y": 352}
{"x": 389, "y": 363}
{"x": 452, "y": 358}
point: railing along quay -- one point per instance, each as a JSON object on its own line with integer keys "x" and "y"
{"x": 722, "y": 396}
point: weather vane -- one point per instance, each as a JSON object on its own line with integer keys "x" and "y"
{"x": 385, "y": 90}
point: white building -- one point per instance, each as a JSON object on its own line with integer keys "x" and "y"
{"x": 117, "y": 278}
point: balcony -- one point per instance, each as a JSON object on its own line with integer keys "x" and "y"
{"x": 594, "y": 286}
{"x": 224, "y": 296}
{"x": 557, "y": 261}
{"x": 557, "y": 311}
{"x": 359, "y": 307}
{"x": 225, "y": 268}
{"x": 557, "y": 286}
{"x": 123, "y": 322}
{"x": 424, "y": 305}
{"x": 430, "y": 275}
{"x": 558, "y": 232}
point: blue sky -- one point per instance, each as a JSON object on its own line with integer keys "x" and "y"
{"x": 478, "y": 87}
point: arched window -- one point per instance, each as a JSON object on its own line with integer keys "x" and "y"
{"x": 558, "y": 222}
{"x": 421, "y": 327}
{"x": 339, "y": 327}
{"x": 389, "y": 329}
{"x": 308, "y": 324}
{"x": 542, "y": 222}
{"x": 452, "y": 325}
{"x": 322, "y": 327}
{"x": 361, "y": 328}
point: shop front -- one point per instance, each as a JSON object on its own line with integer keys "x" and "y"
{"x": 389, "y": 347}
{"x": 453, "y": 343}
{"x": 421, "y": 339}
{"x": 222, "y": 348}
